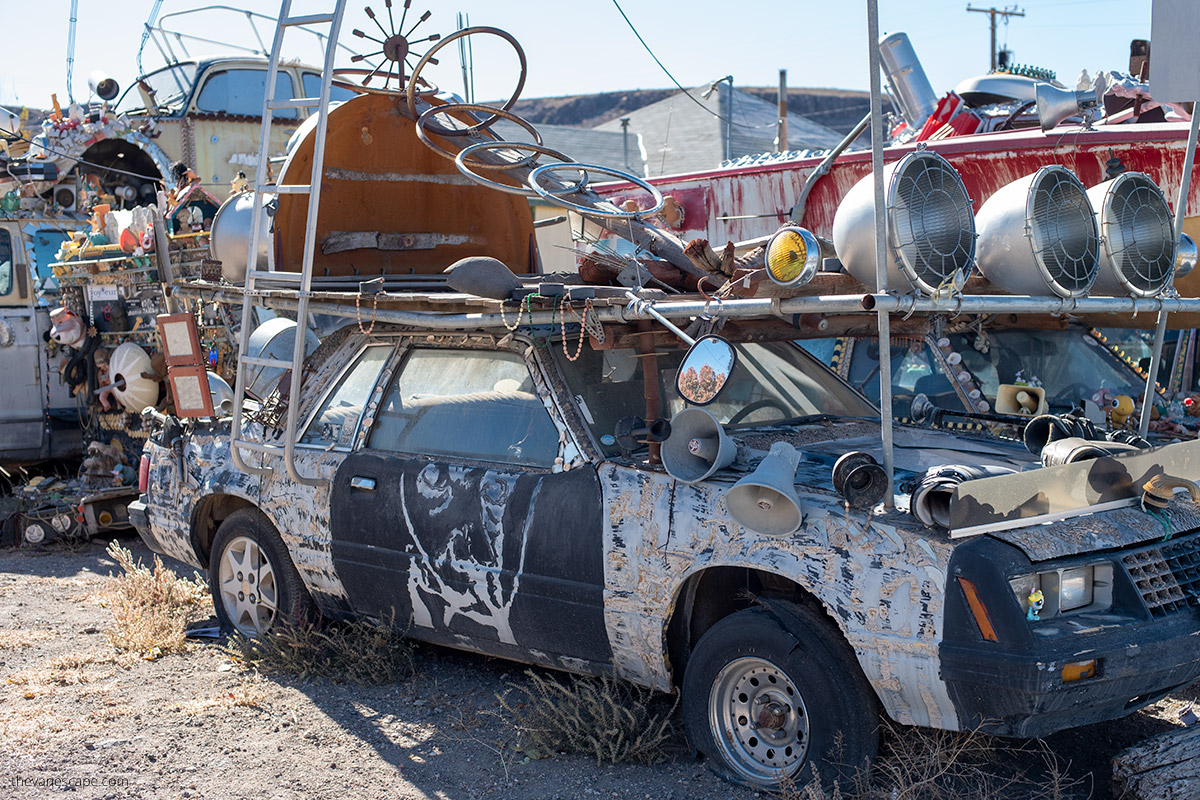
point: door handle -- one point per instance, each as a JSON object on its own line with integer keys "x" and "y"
{"x": 365, "y": 484}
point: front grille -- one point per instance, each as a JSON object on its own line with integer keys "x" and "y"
{"x": 1168, "y": 575}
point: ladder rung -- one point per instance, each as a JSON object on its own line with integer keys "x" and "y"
{"x": 268, "y": 275}
{"x": 299, "y": 102}
{"x": 257, "y": 361}
{"x": 308, "y": 19}
{"x": 256, "y": 447}
{"x": 293, "y": 188}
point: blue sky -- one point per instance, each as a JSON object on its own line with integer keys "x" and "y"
{"x": 582, "y": 46}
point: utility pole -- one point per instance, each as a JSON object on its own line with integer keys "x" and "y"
{"x": 993, "y": 13}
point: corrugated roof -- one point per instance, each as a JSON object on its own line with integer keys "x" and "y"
{"x": 605, "y": 148}
{"x": 680, "y": 136}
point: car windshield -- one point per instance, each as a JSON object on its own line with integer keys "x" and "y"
{"x": 1135, "y": 346}
{"x": 170, "y": 86}
{"x": 772, "y": 382}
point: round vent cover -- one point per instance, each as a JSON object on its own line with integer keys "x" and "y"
{"x": 1038, "y": 235}
{"x": 931, "y": 229}
{"x": 1138, "y": 236}
{"x": 1066, "y": 240}
{"x": 931, "y": 225}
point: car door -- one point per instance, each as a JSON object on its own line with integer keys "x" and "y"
{"x": 452, "y": 515}
{"x": 23, "y": 399}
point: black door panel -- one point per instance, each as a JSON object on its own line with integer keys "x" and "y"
{"x": 499, "y": 555}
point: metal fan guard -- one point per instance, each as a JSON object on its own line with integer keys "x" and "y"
{"x": 1065, "y": 236}
{"x": 1139, "y": 233}
{"x": 932, "y": 222}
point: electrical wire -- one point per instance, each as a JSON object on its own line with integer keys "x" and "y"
{"x": 667, "y": 72}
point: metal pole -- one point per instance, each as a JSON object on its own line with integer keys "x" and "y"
{"x": 885, "y": 332}
{"x": 625, "y": 141}
{"x": 729, "y": 122}
{"x": 1160, "y": 329}
{"x": 782, "y": 134}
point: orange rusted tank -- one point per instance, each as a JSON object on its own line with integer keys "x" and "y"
{"x": 392, "y": 206}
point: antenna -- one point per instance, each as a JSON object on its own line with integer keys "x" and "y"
{"x": 994, "y": 12}
{"x": 466, "y": 58}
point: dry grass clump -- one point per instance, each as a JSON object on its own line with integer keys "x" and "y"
{"x": 610, "y": 720}
{"x": 72, "y": 669}
{"x": 150, "y": 606}
{"x": 925, "y": 764}
{"x": 363, "y": 652}
{"x": 12, "y": 640}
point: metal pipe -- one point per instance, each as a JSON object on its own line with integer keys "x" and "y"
{"x": 1160, "y": 329}
{"x": 824, "y": 167}
{"x": 734, "y": 309}
{"x": 648, "y": 307}
{"x": 885, "y": 330}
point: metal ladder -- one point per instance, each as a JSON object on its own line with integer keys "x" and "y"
{"x": 300, "y": 282}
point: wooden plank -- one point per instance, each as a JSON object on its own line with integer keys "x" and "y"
{"x": 1163, "y": 767}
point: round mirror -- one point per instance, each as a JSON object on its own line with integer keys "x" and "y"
{"x": 705, "y": 369}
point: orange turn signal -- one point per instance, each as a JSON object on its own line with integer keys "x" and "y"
{"x": 978, "y": 610}
{"x": 1079, "y": 670}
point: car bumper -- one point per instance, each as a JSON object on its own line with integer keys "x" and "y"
{"x": 140, "y": 521}
{"x": 1023, "y": 694}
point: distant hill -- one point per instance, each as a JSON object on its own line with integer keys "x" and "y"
{"x": 839, "y": 109}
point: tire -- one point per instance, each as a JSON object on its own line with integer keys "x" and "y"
{"x": 816, "y": 713}
{"x": 255, "y": 586}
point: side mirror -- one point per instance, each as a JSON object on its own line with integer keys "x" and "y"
{"x": 705, "y": 370}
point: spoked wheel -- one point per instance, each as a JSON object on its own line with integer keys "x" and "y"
{"x": 248, "y": 590}
{"x": 772, "y": 699}
{"x": 759, "y": 719}
{"x": 255, "y": 586}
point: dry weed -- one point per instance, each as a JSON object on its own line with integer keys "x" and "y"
{"x": 924, "y": 764}
{"x": 12, "y": 640}
{"x": 150, "y": 606}
{"x": 611, "y": 720}
{"x": 365, "y": 653}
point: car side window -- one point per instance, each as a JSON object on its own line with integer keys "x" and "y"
{"x": 6, "y": 264}
{"x": 467, "y": 404}
{"x": 241, "y": 92}
{"x": 337, "y": 420}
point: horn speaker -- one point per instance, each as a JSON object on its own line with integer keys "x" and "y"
{"x": 1055, "y": 105}
{"x": 105, "y": 87}
{"x": 1137, "y": 235}
{"x": 1038, "y": 236}
{"x": 766, "y": 499}
{"x": 930, "y": 226}
{"x": 1023, "y": 401}
{"x": 697, "y": 447}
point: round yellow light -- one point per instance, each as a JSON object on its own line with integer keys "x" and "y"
{"x": 792, "y": 256}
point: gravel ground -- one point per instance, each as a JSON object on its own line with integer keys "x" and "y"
{"x": 77, "y": 717}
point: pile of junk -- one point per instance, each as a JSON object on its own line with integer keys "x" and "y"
{"x": 98, "y": 363}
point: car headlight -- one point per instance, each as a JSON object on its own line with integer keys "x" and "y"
{"x": 1063, "y": 590}
{"x": 793, "y": 256}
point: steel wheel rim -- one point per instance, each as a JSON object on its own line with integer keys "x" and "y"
{"x": 758, "y": 720}
{"x": 246, "y": 581}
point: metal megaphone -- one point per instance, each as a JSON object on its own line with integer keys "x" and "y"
{"x": 766, "y": 499}
{"x": 1054, "y": 104}
{"x": 697, "y": 447}
{"x": 103, "y": 86}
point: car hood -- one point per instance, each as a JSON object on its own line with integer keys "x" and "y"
{"x": 916, "y": 450}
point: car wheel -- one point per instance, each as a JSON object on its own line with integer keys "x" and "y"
{"x": 769, "y": 696}
{"x": 254, "y": 584}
